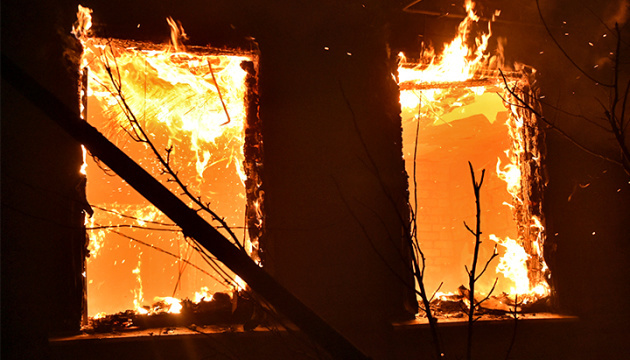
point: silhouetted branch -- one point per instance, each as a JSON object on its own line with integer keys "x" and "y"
{"x": 489, "y": 292}
{"x": 555, "y": 41}
{"x": 514, "y": 314}
{"x": 418, "y": 260}
{"x": 436, "y": 290}
{"x": 525, "y": 105}
{"x": 472, "y": 273}
{"x": 164, "y": 252}
{"x": 494, "y": 254}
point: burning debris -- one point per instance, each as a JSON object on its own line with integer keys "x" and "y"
{"x": 456, "y": 305}
{"x": 236, "y": 308}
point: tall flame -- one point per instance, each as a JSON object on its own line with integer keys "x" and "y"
{"x": 177, "y": 34}
{"x": 81, "y": 28}
{"x": 458, "y": 61}
{"x": 138, "y": 295}
{"x": 513, "y": 265}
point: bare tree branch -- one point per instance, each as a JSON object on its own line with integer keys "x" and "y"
{"x": 524, "y": 104}
{"x": 472, "y": 273}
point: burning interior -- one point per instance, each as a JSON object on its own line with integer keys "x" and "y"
{"x": 183, "y": 114}
{"x": 189, "y": 114}
{"x": 462, "y": 106}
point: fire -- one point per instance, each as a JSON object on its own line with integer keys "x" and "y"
{"x": 189, "y": 101}
{"x": 511, "y": 174}
{"x": 81, "y": 28}
{"x": 239, "y": 284}
{"x": 138, "y": 295}
{"x": 173, "y": 93}
{"x": 83, "y": 168}
{"x": 202, "y": 295}
{"x": 96, "y": 238}
{"x": 439, "y": 92}
{"x": 167, "y": 304}
{"x": 513, "y": 265}
{"x": 100, "y": 315}
{"x": 458, "y": 62}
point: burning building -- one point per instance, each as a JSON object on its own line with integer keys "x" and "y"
{"x": 344, "y": 182}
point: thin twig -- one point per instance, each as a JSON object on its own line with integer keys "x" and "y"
{"x": 472, "y": 275}
{"x": 418, "y": 259}
{"x": 514, "y": 313}
{"x": 489, "y": 293}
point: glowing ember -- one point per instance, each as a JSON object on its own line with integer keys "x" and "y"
{"x": 167, "y": 304}
{"x": 202, "y": 295}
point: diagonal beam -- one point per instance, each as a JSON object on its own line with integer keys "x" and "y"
{"x": 186, "y": 218}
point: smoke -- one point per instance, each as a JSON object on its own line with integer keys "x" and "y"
{"x": 618, "y": 13}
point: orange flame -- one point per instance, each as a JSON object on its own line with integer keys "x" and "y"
{"x": 138, "y": 296}
{"x": 177, "y": 34}
{"x": 81, "y": 28}
{"x": 167, "y": 304}
{"x": 176, "y": 93}
{"x": 458, "y": 61}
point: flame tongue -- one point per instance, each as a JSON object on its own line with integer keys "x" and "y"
{"x": 81, "y": 28}
{"x": 458, "y": 61}
{"x": 177, "y": 34}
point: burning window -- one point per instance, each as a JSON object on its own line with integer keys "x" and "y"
{"x": 186, "y": 116}
{"x": 459, "y": 107}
